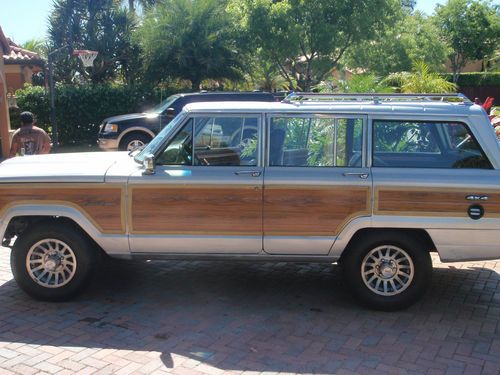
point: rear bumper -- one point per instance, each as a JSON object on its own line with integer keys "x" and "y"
{"x": 108, "y": 144}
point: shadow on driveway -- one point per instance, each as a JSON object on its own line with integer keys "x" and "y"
{"x": 265, "y": 317}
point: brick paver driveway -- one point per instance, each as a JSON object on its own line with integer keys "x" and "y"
{"x": 217, "y": 317}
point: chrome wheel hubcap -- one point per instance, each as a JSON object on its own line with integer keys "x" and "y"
{"x": 51, "y": 263}
{"x": 387, "y": 270}
{"x": 134, "y": 144}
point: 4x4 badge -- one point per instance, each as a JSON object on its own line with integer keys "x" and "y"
{"x": 476, "y": 197}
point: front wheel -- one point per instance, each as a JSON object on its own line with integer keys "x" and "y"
{"x": 387, "y": 271}
{"x": 52, "y": 262}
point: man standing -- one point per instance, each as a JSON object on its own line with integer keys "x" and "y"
{"x": 29, "y": 139}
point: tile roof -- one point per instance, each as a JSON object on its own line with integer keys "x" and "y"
{"x": 20, "y": 55}
{"x": 4, "y": 44}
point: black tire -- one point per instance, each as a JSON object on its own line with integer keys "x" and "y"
{"x": 140, "y": 138}
{"x": 405, "y": 293}
{"x": 84, "y": 251}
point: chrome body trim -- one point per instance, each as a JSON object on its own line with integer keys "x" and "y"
{"x": 235, "y": 257}
{"x": 195, "y": 244}
{"x": 298, "y": 245}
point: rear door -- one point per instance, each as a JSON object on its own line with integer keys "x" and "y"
{"x": 315, "y": 182}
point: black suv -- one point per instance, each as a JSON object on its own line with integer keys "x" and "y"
{"x": 127, "y": 132}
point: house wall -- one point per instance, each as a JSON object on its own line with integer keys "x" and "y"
{"x": 16, "y": 76}
{"x": 4, "y": 113}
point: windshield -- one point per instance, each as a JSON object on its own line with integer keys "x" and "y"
{"x": 162, "y": 107}
{"x": 157, "y": 141}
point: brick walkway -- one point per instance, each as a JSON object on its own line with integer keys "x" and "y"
{"x": 215, "y": 318}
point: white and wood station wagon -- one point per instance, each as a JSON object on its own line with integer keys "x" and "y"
{"x": 374, "y": 183}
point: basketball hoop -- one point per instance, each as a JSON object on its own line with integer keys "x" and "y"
{"x": 86, "y": 56}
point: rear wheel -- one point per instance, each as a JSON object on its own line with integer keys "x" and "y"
{"x": 53, "y": 262}
{"x": 387, "y": 271}
{"x": 133, "y": 141}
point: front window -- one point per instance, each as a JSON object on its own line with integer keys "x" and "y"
{"x": 425, "y": 144}
{"x": 217, "y": 141}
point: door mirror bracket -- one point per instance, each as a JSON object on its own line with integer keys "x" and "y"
{"x": 149, "y": 165}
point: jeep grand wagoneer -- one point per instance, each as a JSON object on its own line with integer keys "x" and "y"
{"x": 374, "y": 183}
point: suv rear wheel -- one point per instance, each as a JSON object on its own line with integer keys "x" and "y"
{"x": 53, "y": 261}
{"x": 132, "y": 141}
{"x": 387, "y": 271}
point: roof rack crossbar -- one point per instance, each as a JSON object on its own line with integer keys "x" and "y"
{"x": 374, "y": 97}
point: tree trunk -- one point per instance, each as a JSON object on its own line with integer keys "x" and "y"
{"x": 131, "y": 5}
{"x": 195, "y": 84}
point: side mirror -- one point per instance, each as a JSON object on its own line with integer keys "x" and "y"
{"x": 170, "y": 112}
{"x": 149, "y": 164}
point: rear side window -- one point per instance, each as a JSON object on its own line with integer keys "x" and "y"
{"x": 417, "y": 144}
{"x": 315, "y": 142}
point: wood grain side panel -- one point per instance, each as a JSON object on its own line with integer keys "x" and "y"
{"x": 299, "y": 211}
{"x": 235, "y": 210}
{"x": 102, "y": 205}
{"x": 433, "y": 202}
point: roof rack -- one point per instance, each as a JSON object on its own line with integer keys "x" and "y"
{"x": 299, "y": 98}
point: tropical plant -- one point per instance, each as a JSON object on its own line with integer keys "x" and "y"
{"x": 471, "y": 28}
{"x": 188, "y": 39}
{"x": 357, "y": 83}
{"x": 420, "y": 80}
{"x": 36, "y": 45}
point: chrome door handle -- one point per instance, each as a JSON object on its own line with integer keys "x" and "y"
{"x": 251, "y": 173}
{"x": 362, "y": 175}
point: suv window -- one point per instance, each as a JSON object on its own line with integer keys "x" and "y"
{"x": 315, "y": 142}
{"x": 218, "y": 141}
{"x": 417, "y": 144}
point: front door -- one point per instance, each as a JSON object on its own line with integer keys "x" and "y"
{"x": 315, "y": 181}
{"x": 206, "y": 193}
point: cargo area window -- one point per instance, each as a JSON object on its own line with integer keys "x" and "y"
{"x": 418, "y": 144}
{"x": 315, "y": 142}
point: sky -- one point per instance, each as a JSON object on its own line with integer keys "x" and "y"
{"x": 22, "y": 20}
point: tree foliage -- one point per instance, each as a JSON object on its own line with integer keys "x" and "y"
{"x": 305, "y": 39}
{"x": 471, "y": 28}
{"x": 413, "y": 37}
{"x": 189, "y": 39}
{"x": 100, "y": 25}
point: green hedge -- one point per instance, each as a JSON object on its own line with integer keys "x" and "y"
{"x": 476, "y": 79}
{"x": 81, "y": 109}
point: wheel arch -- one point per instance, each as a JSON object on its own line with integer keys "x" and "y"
{"x": 109, "y": 243}
{"x": 135, "y": 129}
{"x": 420, "y": 235}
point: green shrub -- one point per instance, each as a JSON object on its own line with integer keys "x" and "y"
{"x": 81, "y": 109}
{"x": 476, "y": 79}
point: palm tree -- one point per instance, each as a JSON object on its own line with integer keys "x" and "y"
{"x": 36, "y": 45}
{"x": 420, "y": 80}
{"x": 189, "y": 39}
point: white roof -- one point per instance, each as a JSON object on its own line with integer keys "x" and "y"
{"x": 407, "y": 107}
